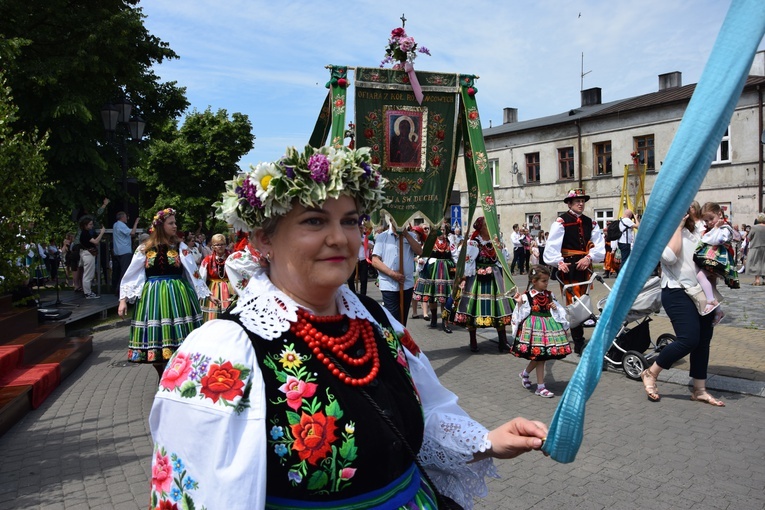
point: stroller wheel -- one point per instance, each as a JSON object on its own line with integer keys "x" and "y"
{"x": 633, "y": 364}
{"x": 664, "y": 340}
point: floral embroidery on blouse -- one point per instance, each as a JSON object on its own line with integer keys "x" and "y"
{"x": 172, "y": 258}
{"x": 311, "y": 433}
{"x": 194, "y": 376}
{"x": 170, "y": 482}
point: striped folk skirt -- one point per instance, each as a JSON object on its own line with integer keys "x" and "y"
{"x": 166, "y": 313}
{"x": 219, "y": 290}
{"x": 435, "y": 282}
{"x": 483, "y": 303}
{"x": 541, "y": 338}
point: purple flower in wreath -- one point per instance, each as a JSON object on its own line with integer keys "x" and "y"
{"x": 318, "y": 164}
{"x": 290, "y": 171}
{"x": 248, "y": 191}
{"x": 367, "y": 168}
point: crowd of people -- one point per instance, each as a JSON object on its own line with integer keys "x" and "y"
{"x": 302, "y": 364}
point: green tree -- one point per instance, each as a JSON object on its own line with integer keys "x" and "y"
{"x": 187, "y": 171}
{"x": 22, "y": 170}
{"x": 75, "y": 57}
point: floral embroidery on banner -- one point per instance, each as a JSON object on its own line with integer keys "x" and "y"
{"x": 194, "y": 376}
{"x": 170, "y": 482}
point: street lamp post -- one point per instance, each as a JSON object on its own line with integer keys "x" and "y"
{"x": 116, "y": 116}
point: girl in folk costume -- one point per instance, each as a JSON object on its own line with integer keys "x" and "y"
{"x": 435, "y": 283}
{"x": 483, "y": 303}
{"x": 213, "y": 270}
{"x": 163, "y": 278}
{"x": 539, "y": 329}
{"x": 715, "y": 256}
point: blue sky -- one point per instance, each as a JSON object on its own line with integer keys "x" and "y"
{"x": 267, "y": 59}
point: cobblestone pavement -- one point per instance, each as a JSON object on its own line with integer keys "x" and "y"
{"x": 88, "y": 446}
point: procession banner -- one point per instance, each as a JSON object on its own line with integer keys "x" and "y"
{"x": 323, "y": 124}
{"x": 477, "y": 164}
{"x": 414, "y": 144}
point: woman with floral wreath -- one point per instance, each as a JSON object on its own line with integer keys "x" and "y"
{"x": 308, "y": 395}
{"x": 213, "y": 271}
{"x": 164, "y": 279}
{"x": 434, "y": 285}
{"x": 483, "y": 303}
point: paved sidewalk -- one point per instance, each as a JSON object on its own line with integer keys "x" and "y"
{"x": 737, "y": 357}
{"x": 88, "y": 445}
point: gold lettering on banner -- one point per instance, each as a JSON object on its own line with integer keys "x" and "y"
{"x": 439, "y": 98}
{"x": 415, "y": 199}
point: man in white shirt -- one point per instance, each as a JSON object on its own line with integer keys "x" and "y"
{"x": 575, "y": 242}
{"x": 627, "y": 224}
{"x": 122, "y": 247}
{"x": 396, "y": 277}
{"x": 519, "y": 253}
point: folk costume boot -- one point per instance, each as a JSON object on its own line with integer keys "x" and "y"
{"x": 444, "y": 327}
{"x": 160, "y": 368}
{"x": 578, "y": 345}
{"x": 473, "y": 340}
{"x": 433, "y": 319}
{"x": 502, "y": 336}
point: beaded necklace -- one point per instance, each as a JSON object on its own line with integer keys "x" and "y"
{"x": 220, "y": 264}
{"x": 325, "y": 347}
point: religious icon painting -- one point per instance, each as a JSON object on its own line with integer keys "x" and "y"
{"x": 405, "y": 138}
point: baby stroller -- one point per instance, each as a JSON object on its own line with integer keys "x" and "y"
{"x": 628, "y": 350}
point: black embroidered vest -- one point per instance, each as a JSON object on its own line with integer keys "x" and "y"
{"x": 577, "y": 234}
{"x": 324, "y": 439}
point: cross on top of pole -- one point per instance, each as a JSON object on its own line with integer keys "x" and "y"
{"x": 403, "y": 21}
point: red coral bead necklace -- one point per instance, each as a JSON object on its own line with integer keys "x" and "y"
{"x": 336, "y": 347}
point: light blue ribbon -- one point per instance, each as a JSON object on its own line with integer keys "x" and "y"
{"x": 695, "y": 145}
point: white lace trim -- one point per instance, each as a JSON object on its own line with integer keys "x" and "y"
{"x": 268, "y": 312}
{"x": 131, "y": 291}
{"x": 447, "y": 457}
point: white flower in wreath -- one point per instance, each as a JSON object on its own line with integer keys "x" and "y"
{"x": 261, "y": 177}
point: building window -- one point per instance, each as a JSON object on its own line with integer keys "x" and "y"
{"x": 602, "y": 153}
{"x": 604, "y": 217}
{"x": 644, "y": 148}
{"x": 723, "y": 151}
{"x": 532, "y": 167}
{"x": 494, "y": 169}
{"x": 566, "y": 163}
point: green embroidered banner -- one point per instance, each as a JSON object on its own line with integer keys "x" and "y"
{"x": 479, "y": 177}
{"x": 415, "y": 145}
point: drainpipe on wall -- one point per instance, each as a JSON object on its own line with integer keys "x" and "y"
{"x": 759, "y": 131}
{"x": 579, "y": 151}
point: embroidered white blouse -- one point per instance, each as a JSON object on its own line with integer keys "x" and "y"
{"x": 222, "y": 448}
{"x": 135, "y": 276}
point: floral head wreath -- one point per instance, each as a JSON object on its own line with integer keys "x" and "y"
{"x": 269, "y": 189}
{"x": 160, "y": 217}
